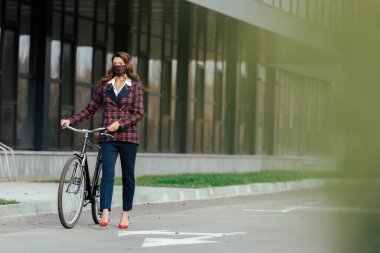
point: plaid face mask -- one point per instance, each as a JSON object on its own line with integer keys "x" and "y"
{"x": 119, "y": 70}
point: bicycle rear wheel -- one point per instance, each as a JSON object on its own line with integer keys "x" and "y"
{"x": 95, "y": 204}
{"x": 71, "y": 192}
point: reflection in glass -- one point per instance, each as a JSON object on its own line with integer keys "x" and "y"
{"x": 11, "y": 12}
{"x": 153, "y": 119}
{"x": 111, "y": 11}
{"x": 9, "y": 65}
{"x": 98, "y": 65}
{"x": 85, "y": 30}
{"x": 86, "y": 8}
{"x": 84, "y": 64}
{"x": 25, "y": 115}
{"x": 100, "y": 32}
{"x": 108, "y": 62}
{"x": 101, "y": 10}
{"x": 65, "y": 135}
{"x": 8, "y": 117}
{"x": 55, "y": 57}
{"x": 67, "y": 81}
{"x": 286, "y": 5}
{"x": 23, "y": 54}
{"x": 54, "y": 116}
{"x": 154, "y": 75}
{"x": 70, "y": 5}
{"x": 25, "y": 12}
{"x": 56, "y": 25}
{"x": 302, "y": 9}
{"x": 69, "y": 24}
{"x": 82, "y": 98}
{"x": 110, "y": 39}
{"x": 208, "y": 104}
{"x": 153, "y": 100}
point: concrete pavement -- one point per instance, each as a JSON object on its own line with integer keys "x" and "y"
{"x": 39, "y": 198}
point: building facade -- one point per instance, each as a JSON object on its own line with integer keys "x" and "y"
{"x": 255, "y": 78}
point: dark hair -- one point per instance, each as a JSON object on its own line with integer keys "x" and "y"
{"x": 131, "y": 72}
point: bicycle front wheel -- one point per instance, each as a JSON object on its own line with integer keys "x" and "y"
{"x": 71, "y": 192}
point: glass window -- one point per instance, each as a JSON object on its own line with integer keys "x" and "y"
{"x": 268, "y": 1}
{"x": 25, "y": 19}
{"x": 143, "y": 69}
{"x": 86, "y": 8}
{"x": 155, "y": 47}
{"x": 55, "y": 59}
{"x": 199, "y": 92}
{"x": 83, "y": 64}
{"x": 286, "y": 5}
{"x": 156, "y": 18}
{"x": 302, "y": 8}
{"x": 168, "y": 18}
{"x": 277, "y": 3}
{"x": 65, "y": 136}
{"x": 110, "y": 39}
{"x": 101, "y": 10}
{"x": 54, "y": 115}
{"x": 69, "y": 6}
{"x": 153, "y": 104}
{"x": 313, "y": 10}
{"x": 8, "y": 120}
{"x": 11, "y": 12}
{"x": 111, "y": 11}
{"x": 211, "y": 31}
{"x": 56, "y": 25}
{"x": 85, "y": 31}
{"x": 23, "y": 54}
{"x": 218, "y": 95}
{"x": 57, "y": 4}
{"x": 9, "y": 66}
{"x": 100, "y": 32}
{"x": 153, "y": 120}
{"x": 98, "y": 64}
{"x": 82, "y": 98}
{"x": 166, "y": 88}
{"x": 168, "y": 48}
{"x": 143, "y": 42}
{"x": 69, "y": 25}
{"x": 67, "y": 80}
{"x": 295, "y": 7}
{"x": 25, "y": 115}
{"x": 144, "y": 16}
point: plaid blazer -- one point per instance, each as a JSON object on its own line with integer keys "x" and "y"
{"x": 127, "y": 108}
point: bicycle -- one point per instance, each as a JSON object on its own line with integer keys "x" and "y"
{"x": 75, "y": 189}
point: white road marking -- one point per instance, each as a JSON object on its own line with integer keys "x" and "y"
{"x": 157, "y": 242}
{"x": 319, "y": 209}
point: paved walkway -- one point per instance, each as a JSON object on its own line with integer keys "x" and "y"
{"x": 38, "y": 198}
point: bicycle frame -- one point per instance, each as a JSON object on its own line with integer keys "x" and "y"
{"x": 70, "y": 208}
{"x": 90, "y": 190}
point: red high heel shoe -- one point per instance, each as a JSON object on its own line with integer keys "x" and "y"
{"x": 124, "y": 226}
{"x": 104, "y": 223}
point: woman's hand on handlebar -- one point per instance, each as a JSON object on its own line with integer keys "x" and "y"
{"x": 64, "y": 122}
{"x": 113, "y": 127}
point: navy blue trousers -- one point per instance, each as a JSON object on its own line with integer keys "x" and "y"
{"x": 110, "y": 150}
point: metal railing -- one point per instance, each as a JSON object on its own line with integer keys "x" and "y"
{"x": 7, "y": 161}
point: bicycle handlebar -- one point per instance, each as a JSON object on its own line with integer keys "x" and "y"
{"x": 83, "y": 131}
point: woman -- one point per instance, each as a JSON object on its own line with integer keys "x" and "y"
{"x": 121, "y": 94}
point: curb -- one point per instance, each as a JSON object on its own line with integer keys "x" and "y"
{"x": 145, "y": 195}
